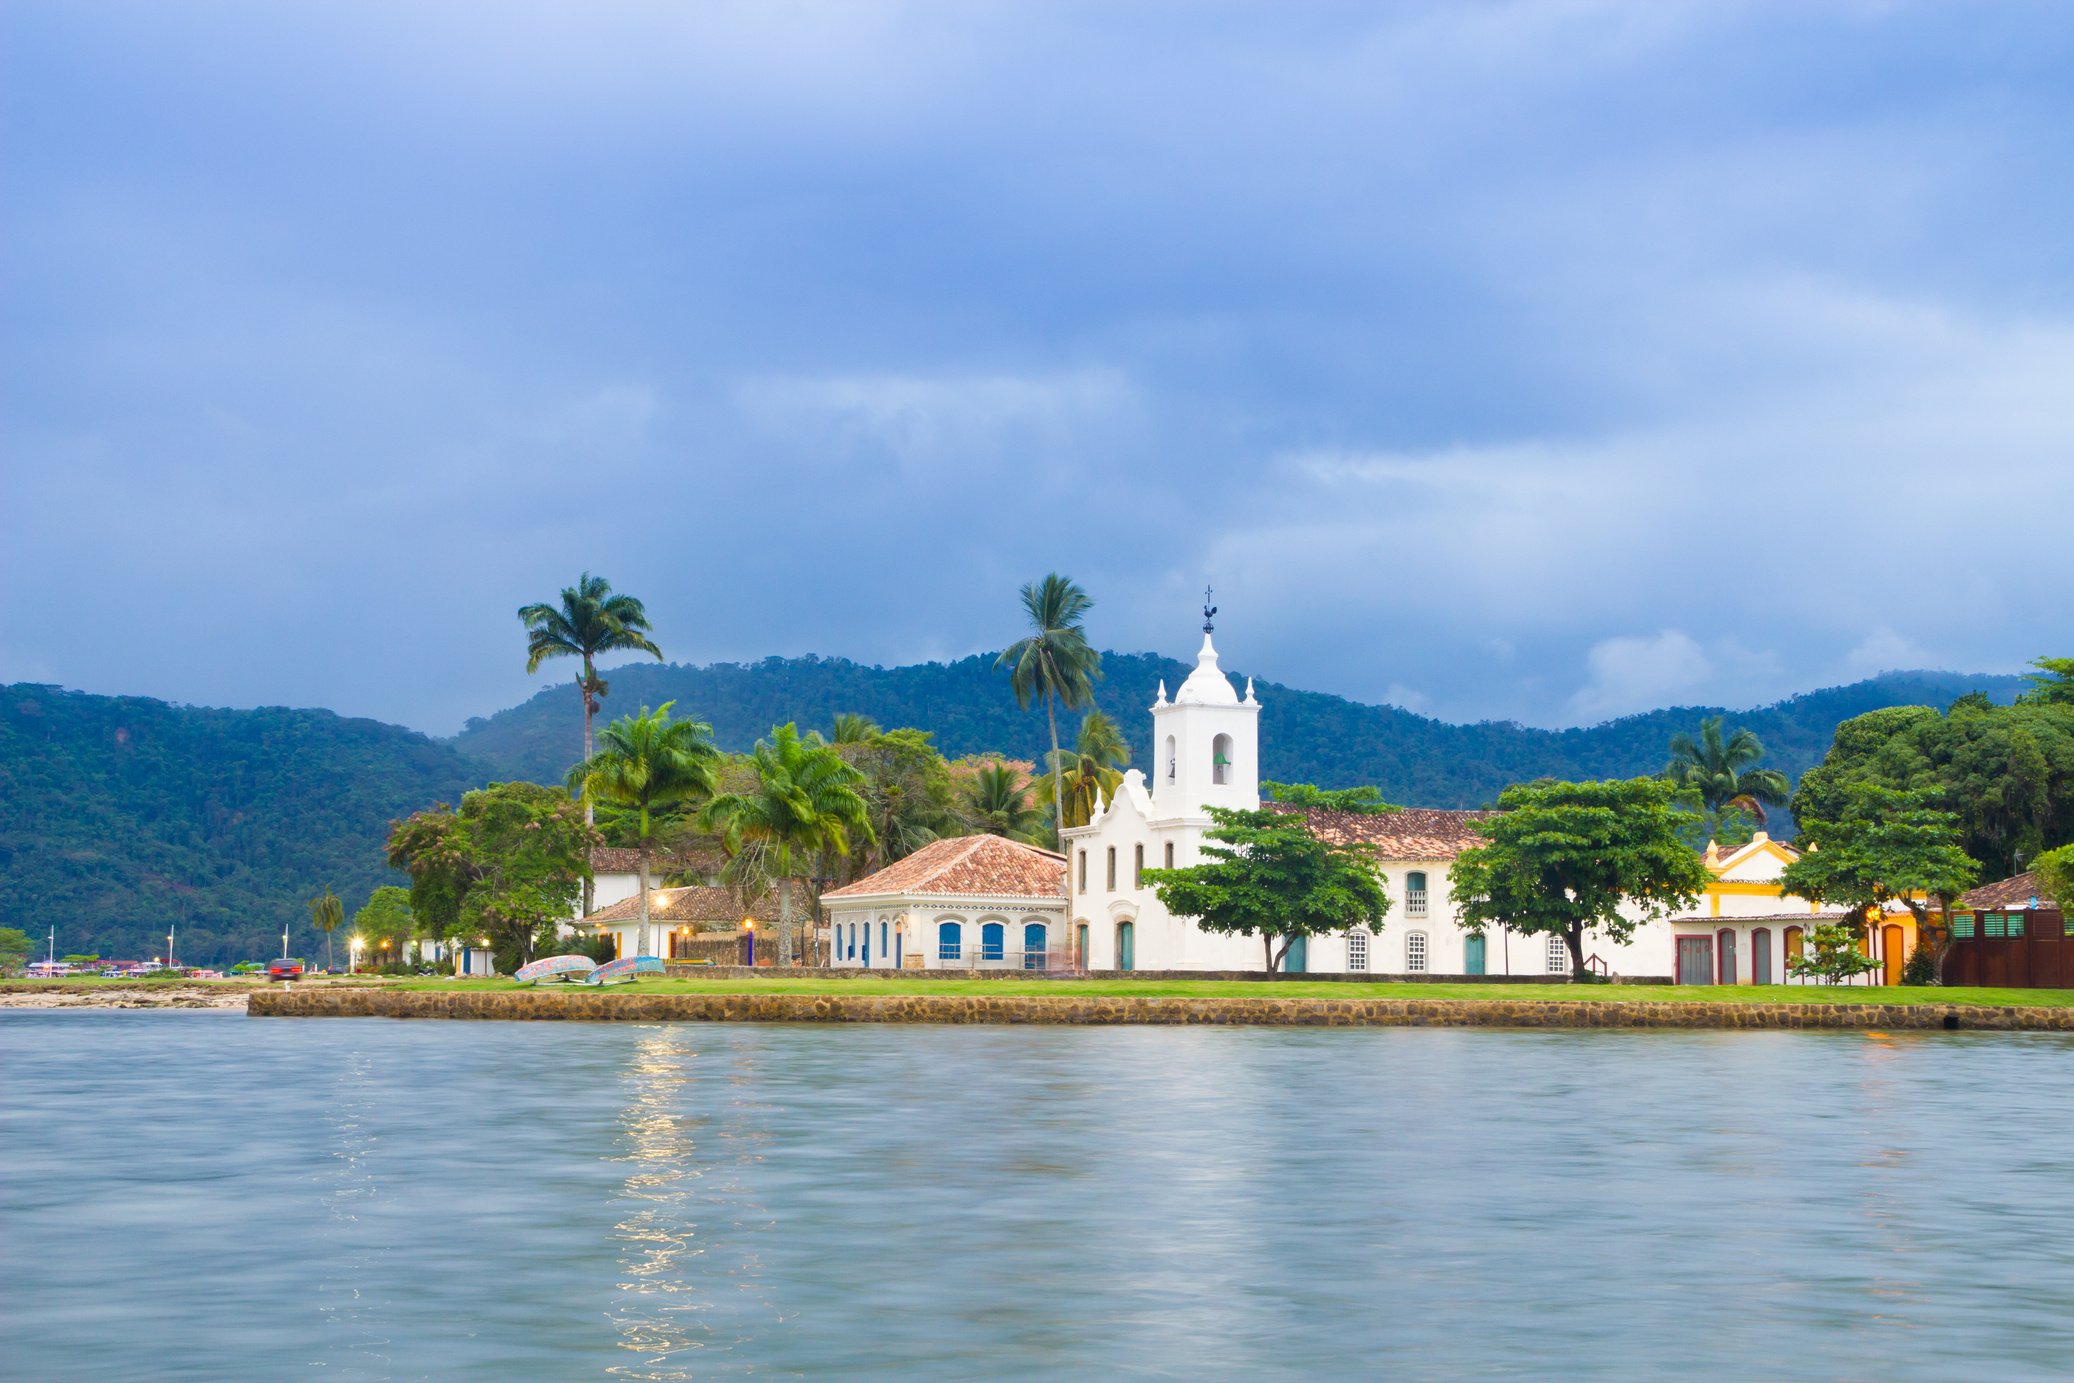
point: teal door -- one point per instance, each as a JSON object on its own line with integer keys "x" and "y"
{"x": 1298, "y": 957}
{"x": 1126, "y": 946}
{"x": 1472, "y": 954}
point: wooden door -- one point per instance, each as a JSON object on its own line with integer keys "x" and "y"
{"x": 1472, "y": 954}
{"x": 1695, "y": 960}
{"x": 1890, "y": 946}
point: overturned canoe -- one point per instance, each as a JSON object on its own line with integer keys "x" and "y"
{"x": 627, "y": 968}
{"x": 555, "y": 968}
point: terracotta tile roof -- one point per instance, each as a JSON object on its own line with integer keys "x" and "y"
{"x": 967, "y": 866}
{"x": 689, "y": 905}
{"x": 1413, "y": 833}
{"x": 613, "y": 859}
{"x": 1804, "y": 919}
{"x": 2009, "y": 893}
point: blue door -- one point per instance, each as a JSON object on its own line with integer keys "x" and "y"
{"x": 1472, "y": 954}
{"x": 867, "y": 945}
{"x": 1033, "y": 946}
{"x": 1126, "y": 946}
{"x": 1298, "y": 957}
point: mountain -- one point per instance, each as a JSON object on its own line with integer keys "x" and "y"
{"x": 1305, "y": 736}
{"x": 119, "y": 815}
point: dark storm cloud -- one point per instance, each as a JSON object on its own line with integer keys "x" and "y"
{"x": 1543, "y": 359}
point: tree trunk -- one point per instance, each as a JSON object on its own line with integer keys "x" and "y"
{"x": 785, "y": 921}
{"x": 1058, "y": 795}
{"x": 327, "y": 950}
{"x": 641, "y": 866}
{"x": 1575, "y": 938}
{"x": 1267, "y": 941}
{"x": 590, "y": 815}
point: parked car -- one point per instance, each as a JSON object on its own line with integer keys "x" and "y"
{"x": 284, "y": 969}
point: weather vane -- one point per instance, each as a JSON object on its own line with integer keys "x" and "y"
{"x": 1209, "y": 610}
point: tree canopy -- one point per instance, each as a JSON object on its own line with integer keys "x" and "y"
{"x": 1884, "y": 845}
{"x": 1266, "y": 875}
{"x": 1722, "y": 772}
{"x": 1363, "y": 801}
{"x": 1561, "y": 859}
{"x": 2006, "y": 772}
{"x": 1053, "y": 663}
{"x": 508, "y": 866}
{"x": 646, "y": 762}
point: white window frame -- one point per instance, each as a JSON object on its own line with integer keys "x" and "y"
{"x": 1357, "y": 950}
{"x": 1558, "y": 954}
{"x": 1416, "y": 953}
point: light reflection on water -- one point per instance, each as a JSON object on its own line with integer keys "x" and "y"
{"x": 193, "y": 1195}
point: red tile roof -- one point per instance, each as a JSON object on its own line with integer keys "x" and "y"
{"x": 967, "y": 866}
{"x": 688, "y": 905}
{"x": 613, "y": 859}
{"x": 1805, "y": 919}
{"x": 2015, "y": 892}
{"x": 1413, "y": 833}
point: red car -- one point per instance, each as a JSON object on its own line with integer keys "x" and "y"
{"x": 284, "y": 969}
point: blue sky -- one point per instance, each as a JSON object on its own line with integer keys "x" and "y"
{"x": 1533, "y": 360}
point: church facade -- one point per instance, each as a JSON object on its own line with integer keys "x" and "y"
{"x": 983, "y": 903}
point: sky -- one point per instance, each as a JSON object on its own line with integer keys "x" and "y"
{"x": 1546, "y": 360}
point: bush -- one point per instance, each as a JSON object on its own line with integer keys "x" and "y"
{"x": 1921, "y": 967}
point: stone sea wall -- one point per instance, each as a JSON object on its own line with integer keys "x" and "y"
{"x": 1016, "y": 972}
{"x": 630, "y": 1005}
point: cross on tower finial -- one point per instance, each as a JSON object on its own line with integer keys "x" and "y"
{"x": 1209, "y": 610}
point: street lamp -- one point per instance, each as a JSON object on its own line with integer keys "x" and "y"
{"x": 353, "y": 945}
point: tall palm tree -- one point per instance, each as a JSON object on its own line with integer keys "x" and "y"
{"x": 998, "y": 803}
{"x": 590, "y": 621}
{"x": 1055, "y": 663}
{"x": 326, "y": 912}
{"x": 803, "y": 804}
{"x": 1723, "y": 771}
{"x": 1093, "y": 767}
{"x": 649, "y": 762}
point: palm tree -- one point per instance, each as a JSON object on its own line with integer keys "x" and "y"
{"x": 649, "y": 762}
{"x": 1093, "y": 767}
{"x": 853, "y": 729}
{"x": 1723, "y": 773}
{"x": 1055, "y": 663}
{"x": 326, "y": 912}
{"x": 591, "y": 620}
{"x": 998, "y": 803}
{"x": 802, "y": 805}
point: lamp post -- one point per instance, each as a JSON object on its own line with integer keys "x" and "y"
{"x": 169, "y": 945}
{"x": 353, "y": 954}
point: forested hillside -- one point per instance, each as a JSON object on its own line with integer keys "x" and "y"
{"x": 1305, "y": 736}
{"x": 119, "y": 815}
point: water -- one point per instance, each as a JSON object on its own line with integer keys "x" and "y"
{"x": 203, "y": 1196}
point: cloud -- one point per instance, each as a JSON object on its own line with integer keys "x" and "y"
{"x": 1636, "y": 672}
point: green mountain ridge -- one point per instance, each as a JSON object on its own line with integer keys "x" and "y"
{"x": 120, "y": 815}
{"x": 1305, "y": 736}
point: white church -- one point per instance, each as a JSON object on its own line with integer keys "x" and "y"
{"x": 982, "y": 902}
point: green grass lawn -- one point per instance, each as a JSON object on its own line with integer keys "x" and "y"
{"x": 1299, "y": 989}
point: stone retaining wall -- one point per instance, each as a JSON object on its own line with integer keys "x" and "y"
{"x": 633, "y": 1006}
{"x": 1006, "y": 972}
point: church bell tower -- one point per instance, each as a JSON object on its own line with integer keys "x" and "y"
{"x": 1206, "y": 741}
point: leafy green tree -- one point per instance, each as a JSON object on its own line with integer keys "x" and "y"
{"x": 1723, "y": 772}
{"x": 1561, "y": 859}
{"x": 326, "y": 912}
{"x": 1884, "y": 846}
{"x": 997, "y": 802}
{"x": 908, "y": 794}
{"x": 2055, "y": 870}
{"x": 649, "y": 761}
{"x": 14, "y": 949}
{"x": 2007, "y": 772}
{"x": 1362, "y": 801}
{"x": 1832, "y": 954}
{"x": 2052, "y": 684}
{"x": 1267, "y": 875}
{"x": 1093, "y": 768}
{"x": 1054, "y": 663}
{"x": 386, "y": 916}
{"x": 509, "y": 866}
{"x": 803, "y": 804}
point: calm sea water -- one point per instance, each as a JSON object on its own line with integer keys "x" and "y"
{"x": 199, "y": 1195}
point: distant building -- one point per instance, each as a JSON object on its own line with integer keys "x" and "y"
{"x": 2011, "y": 934}
{"x": 964, "y": 903}
{"x": 695, "y": 922}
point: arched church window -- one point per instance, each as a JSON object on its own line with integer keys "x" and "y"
{"x": 1173, "y": 759}
{"x": 1220, "y": 759}
{"x": 1415, "y": 893}
{"x": 1357, "y": 949}
{"x": 1415, "y": 953}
